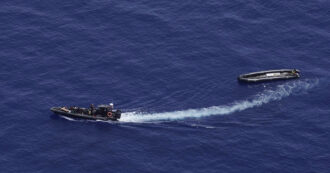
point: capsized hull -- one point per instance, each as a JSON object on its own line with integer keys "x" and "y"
{"x": 270, "y": 75}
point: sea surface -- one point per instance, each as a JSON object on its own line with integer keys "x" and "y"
{"x": 171, "y": 67}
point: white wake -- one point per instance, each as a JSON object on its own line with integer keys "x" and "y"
{"x": 266, "y": 96}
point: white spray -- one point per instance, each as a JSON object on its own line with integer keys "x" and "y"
{"x": 281, "y": 91}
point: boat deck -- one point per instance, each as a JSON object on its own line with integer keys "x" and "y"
{"x": 82, "y": 115}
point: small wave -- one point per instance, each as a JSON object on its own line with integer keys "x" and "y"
{"x": 281, "y": 91}
{"x": 202, "y": 126}
{"x": 68, "y": 118}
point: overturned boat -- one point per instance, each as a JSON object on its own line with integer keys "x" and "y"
{"x": 102, "y": 112}
{"x": 270, "y": 75}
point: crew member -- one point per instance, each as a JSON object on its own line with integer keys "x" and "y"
{"x": 111, "y": 106}
{"x": 92, "y": 109}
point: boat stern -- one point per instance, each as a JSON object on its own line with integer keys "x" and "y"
{"x": 117, "y": 114}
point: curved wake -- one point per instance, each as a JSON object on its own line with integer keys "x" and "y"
{"x": 281, "y": 91}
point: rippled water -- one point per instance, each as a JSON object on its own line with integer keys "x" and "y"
{"x": 171, "y": 67}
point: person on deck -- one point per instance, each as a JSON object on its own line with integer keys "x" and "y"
{"x": 92, "y": 109}
{"x": 111, "y": 106}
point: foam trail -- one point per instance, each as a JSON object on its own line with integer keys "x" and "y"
{"x": 67, "y": 118}
{"x": 281, "y": 91}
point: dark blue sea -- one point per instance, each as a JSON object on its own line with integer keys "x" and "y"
{"x": 171, "y": 67}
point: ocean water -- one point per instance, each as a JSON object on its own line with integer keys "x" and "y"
{"x": 171, "y": 67}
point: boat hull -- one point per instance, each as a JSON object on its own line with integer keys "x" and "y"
{"x": 270, "y": 75}
{"x": 59, "y": 111}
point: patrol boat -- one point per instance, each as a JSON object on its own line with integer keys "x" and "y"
{"x": 102, "y": 112}
{"x": 270, "y": 75}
